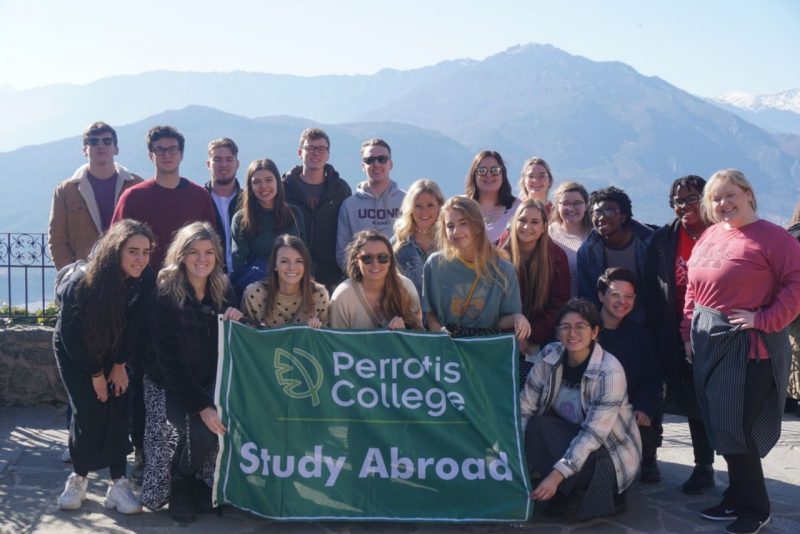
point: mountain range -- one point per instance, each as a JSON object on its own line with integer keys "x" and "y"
{"x": 601, "y": 123}
{"x": 778, "y": 113}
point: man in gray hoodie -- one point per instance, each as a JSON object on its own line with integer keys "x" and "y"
{"x": 376, "y": 202}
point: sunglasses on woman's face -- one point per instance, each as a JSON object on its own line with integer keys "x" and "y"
{"x": 367, "y": 259}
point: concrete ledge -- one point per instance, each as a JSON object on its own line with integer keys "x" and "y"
{"x": 28, "y": 371}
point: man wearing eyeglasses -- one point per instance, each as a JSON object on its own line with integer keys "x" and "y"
{"x": 616, "y": 241}
{"x": 167, "y": 202}
{"x": 376, "y": 202}
{"x": 316, "y": 188}
{"x": 84, "y": 204}
{"x": 632, "y": 345}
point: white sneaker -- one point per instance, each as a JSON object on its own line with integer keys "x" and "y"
{"x": 65, "y": 457}
{"x": 74, "y": 492}
{"x": 120, "y": 496}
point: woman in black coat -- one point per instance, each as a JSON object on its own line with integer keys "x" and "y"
{"x": 98, "y": 329}
{"x": 181, "y": 424}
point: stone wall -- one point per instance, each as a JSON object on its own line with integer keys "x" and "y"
{"x": 28, "y": 372}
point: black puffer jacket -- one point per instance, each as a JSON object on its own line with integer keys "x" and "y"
{"x": 184, "y": 356}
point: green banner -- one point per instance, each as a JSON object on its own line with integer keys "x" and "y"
{"x": 378, "y": 426}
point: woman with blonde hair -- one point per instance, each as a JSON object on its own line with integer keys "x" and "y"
{"x": 487, "y": 184}
{"x": 99, "y": 327}
{"x": 570, "y": 224}
{"x": 181, "y": 419}
{"x": 535, "y": 181}
{"x": 374, "y": 295}
{"x": 416, "y": 228}
{"x": 468, "y": 288}
{"x": 743, "y": 290}
{"x": 289, "y": 294}
{"x": 542, "y": 271}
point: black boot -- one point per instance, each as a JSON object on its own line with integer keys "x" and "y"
{"x": 650, "y": 473}
{"x": 201, "y": 497}
{"x": 181, "y": 507}
{"x": 702, "y": 478}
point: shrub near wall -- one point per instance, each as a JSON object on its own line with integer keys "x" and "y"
{"x": 28, "y": 371}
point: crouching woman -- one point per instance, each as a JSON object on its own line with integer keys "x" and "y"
{"x": 98, "y": 329}
{"x": 182, "y": 424}
{"x": 580, "y": 432}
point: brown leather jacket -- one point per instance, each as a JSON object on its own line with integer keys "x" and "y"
{"x": 75, "y": 218}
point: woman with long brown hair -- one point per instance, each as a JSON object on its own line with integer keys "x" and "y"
{"x": 99, "y": 327}
{"x": 262, "y": 216}
{"x": 289, "y": 294}
{"x": 375, "y": 295}
{"x": 487, "y": 184}
{"x": 542, "y": 271}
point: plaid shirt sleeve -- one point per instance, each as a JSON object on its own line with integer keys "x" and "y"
{"x": 604, "y": 395}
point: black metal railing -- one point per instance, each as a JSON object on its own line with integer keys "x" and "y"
{"x": 26, "y": 276}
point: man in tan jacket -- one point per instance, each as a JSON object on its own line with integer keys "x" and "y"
{"x": 83, "y": 204}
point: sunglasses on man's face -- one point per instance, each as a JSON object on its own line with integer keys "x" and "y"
{"x": 94, "y": 141}
{"x": 369, "y": 160}
{"x": 367, "y": 259}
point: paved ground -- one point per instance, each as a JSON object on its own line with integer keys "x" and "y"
{"x": 32, "y": 477}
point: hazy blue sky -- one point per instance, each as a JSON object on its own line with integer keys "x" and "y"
{"x": 705, "y": 47}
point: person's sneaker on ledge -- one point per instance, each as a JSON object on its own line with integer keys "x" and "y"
{"x": 720, "y": 512}
{"x": 701, "y": 479}
{"x": 747, "y": 525}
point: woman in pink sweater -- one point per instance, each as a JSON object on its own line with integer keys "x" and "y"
{"x": 743, "y": 290}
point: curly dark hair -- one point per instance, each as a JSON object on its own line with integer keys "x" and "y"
{"x": 103, "y": 293}
{"x": 614, "y": 194}
{"x": 690, "y": 180}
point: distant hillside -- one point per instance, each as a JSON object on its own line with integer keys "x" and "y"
{"x": 29, "y": 174}
{"x": 779, "y": 113}
{"x": 597, "y": 122}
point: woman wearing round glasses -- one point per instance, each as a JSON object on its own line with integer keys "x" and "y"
{"x": 580, "y": 431}
{"x": 535, "y": 182}
{"x": 375, "y": 295}
{"x": 487, "y": 184}
{"x": 570, "y": 224}
{"x": 467, "y": 288}
{"x": 743, "y": 290}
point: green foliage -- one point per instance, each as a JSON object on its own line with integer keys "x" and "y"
{"x": 17, "y": 315}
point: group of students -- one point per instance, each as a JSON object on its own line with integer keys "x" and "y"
{"x": 606, "y": 310}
